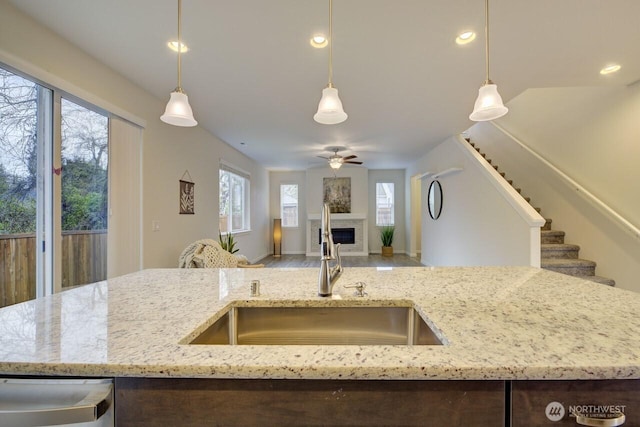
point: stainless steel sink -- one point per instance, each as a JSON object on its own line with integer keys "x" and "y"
{"x": 362, "y": 325}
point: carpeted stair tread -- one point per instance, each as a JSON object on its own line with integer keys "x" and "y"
{"x": 559, "y": 250}
{"x": 551, "y": 236}
{"x": 553, "y": 262}
{"x": 572, "y": 267}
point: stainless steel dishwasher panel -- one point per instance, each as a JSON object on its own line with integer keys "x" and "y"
{"x": 59, "y": 402}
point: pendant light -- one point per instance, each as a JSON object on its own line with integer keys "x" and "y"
{"x": 330, "y": 111}
{"x": 489, "y": 104}
{"x": 178, "y": 111}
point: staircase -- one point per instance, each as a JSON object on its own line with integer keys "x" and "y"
{"x": 556, "y": 255}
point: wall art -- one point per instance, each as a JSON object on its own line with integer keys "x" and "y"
{"x": 337, "y": 192}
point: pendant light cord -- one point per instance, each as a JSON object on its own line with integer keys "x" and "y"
{"x": 486, "y": 38}
{"x": 330, "y": 44}
{"x": 179, "y": 88}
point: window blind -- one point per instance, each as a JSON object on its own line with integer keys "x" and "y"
{"x": 124, "y": 238}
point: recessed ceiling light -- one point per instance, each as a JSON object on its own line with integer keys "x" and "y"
{"x": 173, "y": 45}
{"x": 319, "y": 41}
{"x": 466, "y": 37}
{"x": 610, "y": 69}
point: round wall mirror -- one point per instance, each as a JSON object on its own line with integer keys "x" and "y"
{"x": 434, "y": 199}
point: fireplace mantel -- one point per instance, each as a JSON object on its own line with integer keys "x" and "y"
{"x": 338, "y": 216}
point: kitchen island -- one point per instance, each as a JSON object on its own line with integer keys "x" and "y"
{"x": 496, "y": 324}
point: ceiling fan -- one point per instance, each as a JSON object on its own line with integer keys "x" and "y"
{"x": 337, "y": 160}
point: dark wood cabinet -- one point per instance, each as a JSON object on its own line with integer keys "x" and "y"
{"x": 219, "y": 402}
{"x": 549, "y": 403}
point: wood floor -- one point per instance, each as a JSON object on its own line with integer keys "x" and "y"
{"x": 297, "y": 261}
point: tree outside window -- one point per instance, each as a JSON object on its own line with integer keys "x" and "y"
{"x": 18, "y": 153}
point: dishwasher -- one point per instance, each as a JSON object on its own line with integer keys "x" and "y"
{"x": 56, "y": 402}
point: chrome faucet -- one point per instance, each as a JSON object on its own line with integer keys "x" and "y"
{"x": 328, "y": 251}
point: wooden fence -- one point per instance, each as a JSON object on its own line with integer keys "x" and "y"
{"x": 84, "y": 260}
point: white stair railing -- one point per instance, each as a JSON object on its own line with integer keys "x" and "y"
{"x": 618, "y": 219}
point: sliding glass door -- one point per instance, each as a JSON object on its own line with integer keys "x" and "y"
{"x": 22, "y": 112}
{"x": 53, "y": 191}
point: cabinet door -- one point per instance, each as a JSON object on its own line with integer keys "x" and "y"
{"x": 550, "y": 403}
{"x": 209, "y": 402}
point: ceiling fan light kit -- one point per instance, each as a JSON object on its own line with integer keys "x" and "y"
{"x": 488, "y": 105}
{"x": 330, "y": 111}
{"x": 336, "y": 161}
{"x": 178, "y": 111}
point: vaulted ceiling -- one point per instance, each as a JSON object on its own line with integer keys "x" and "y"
{"x": 254, "y": 80}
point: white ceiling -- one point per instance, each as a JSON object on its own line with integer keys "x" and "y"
{"x": 253, "y": 79}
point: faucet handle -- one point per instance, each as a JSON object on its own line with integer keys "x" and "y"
{"x": 359, "y": 287}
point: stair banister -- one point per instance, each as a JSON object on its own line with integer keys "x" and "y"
{"x": 532, "y": 218}
{"x": 586, "y": 194}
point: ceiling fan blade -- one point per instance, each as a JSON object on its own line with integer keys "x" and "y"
{"x": 353, "y": 163}
{"x": 323, "y": 157}
{"x": 349, "y": 157}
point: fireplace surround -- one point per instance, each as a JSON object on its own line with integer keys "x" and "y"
{"x": 339, "y": 223}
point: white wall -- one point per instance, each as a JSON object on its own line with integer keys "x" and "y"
{"x": 363, "y": 183}
{"x": 167, "y": 151}
{"x": 478, "y": 225}
{"x": 397, "y": 177}
{"x": 293, "y": 239}
{"x": 591, "y": 134}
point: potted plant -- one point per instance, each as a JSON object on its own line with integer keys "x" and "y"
{"x": 386, "y": 236}
{"x": 228, "y": 243}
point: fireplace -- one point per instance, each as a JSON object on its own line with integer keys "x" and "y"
{"x": 346, "y": 236}
{"x": 347, "y": 229}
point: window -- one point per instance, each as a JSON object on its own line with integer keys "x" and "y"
{"x": 384, "y": 203}
{"x": 234, "y": 200}
{"x": 84, "y": 192}
{"x": 289, "y": 205}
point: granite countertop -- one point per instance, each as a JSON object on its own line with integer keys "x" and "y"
{"x": 497, "y": 323}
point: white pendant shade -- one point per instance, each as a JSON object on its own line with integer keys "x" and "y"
{"x": 330, "y": 110}
{"x": 488, "y": 105}
{"x": 178, "y": 111}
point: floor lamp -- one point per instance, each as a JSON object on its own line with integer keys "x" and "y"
{"x": 277, "y": 237}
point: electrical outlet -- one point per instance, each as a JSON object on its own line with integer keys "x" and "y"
{"x": 155, "y": 225}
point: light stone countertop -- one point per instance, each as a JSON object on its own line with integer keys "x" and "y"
{"x": 497, "y": 322}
